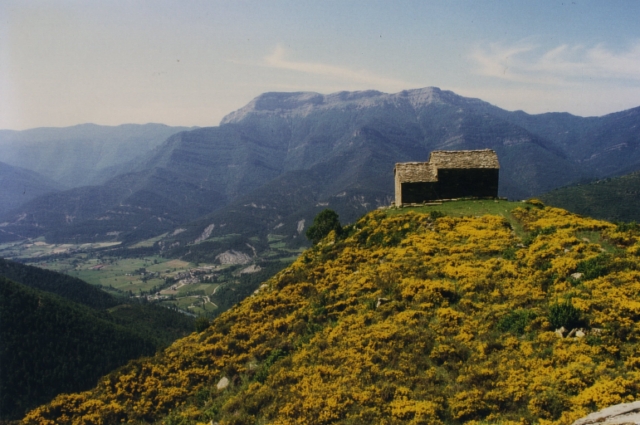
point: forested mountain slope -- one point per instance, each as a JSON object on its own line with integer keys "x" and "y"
{"x": 159, "y": 325}
{"x": 71, "y": 288}
{"x": 614, "y": 199}
{"x": 407, "y": 318}
{"x": 60, "y": 334}
{"x": 51, "y": 345}
{"x": 19, "y": 185}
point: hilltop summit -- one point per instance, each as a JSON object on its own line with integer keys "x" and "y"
{"x": 528, "y": 314}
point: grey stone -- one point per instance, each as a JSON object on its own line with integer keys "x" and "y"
{"x": 381, "y": 301}
{"x": 223, "y": 383}
{"x": 625, "y": 413}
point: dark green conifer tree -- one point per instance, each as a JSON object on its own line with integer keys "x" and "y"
{"x": 326, "y": 221}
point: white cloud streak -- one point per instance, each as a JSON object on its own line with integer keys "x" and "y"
{"x": 278, "y": 59}
{"x": 564, "y": 64}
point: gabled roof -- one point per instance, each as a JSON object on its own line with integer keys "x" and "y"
{"x": 485, "y": 158}
{"x": 412, "y": 172}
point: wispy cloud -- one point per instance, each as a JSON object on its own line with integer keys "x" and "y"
{"x": 564, "y": 64}
{"x": 278, "y": 59}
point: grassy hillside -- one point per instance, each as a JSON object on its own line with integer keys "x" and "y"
{"x": 410, "y": 318}
{"x": 615, "y": 199}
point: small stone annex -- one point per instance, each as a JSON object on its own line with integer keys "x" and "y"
{"x": 448, "y": 175}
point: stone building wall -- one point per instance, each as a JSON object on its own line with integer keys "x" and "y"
{"x": 447, "y": 175}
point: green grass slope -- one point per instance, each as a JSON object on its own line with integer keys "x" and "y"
{"x": 613, "y": 199}
{"x": 409, "y": 317}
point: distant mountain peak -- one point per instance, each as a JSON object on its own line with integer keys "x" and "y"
{"x": 302, "y": 103}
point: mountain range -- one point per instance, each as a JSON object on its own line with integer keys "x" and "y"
{"x": 20, "y": 185}
{"x": 83, "y": 154}
{"x": 272, "y": 165}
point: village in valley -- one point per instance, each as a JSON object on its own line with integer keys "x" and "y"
{"x": 188, "y": 287}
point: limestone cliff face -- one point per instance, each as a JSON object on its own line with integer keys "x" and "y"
{"x": 302, "y": 104}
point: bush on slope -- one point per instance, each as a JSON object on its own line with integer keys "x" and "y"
{"x": 409, "y": 319}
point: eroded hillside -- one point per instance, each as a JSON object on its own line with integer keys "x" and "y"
{"x": 411, "y": 318}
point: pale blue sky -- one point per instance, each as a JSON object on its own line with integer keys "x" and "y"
{"x": 192, "y": 62}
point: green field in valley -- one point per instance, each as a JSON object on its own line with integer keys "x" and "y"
{"x": 197, "y": 288}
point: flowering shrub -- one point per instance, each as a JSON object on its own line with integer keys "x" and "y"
{"x": 410, "y": 319}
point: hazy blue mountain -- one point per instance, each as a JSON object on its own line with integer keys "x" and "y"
{"x": 19, "y": 185}
{"x": 83, "y": 154}
{"x": 285, "y": 155}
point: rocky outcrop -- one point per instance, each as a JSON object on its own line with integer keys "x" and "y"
{"x": 233, "y": 257}
{"x": 625, "y": 413}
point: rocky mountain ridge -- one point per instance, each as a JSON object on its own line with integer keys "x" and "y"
{"x": 294, "y": 150}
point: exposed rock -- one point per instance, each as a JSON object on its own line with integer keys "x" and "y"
{"x": 205, "y": 234}
{"x": 233, "y": 257}
{"x": 625, "y": 413}
{"x": 381, "y": 301}
{"x": 577, "y": 275}
{"x": 560, "y": 332}
{"x": 301, "y": 226}
{"x": 253, "y": 268}
{"x": 255, "y": 253}
{"x": 580, "y": 334}
{"x": 223, "y": 383}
